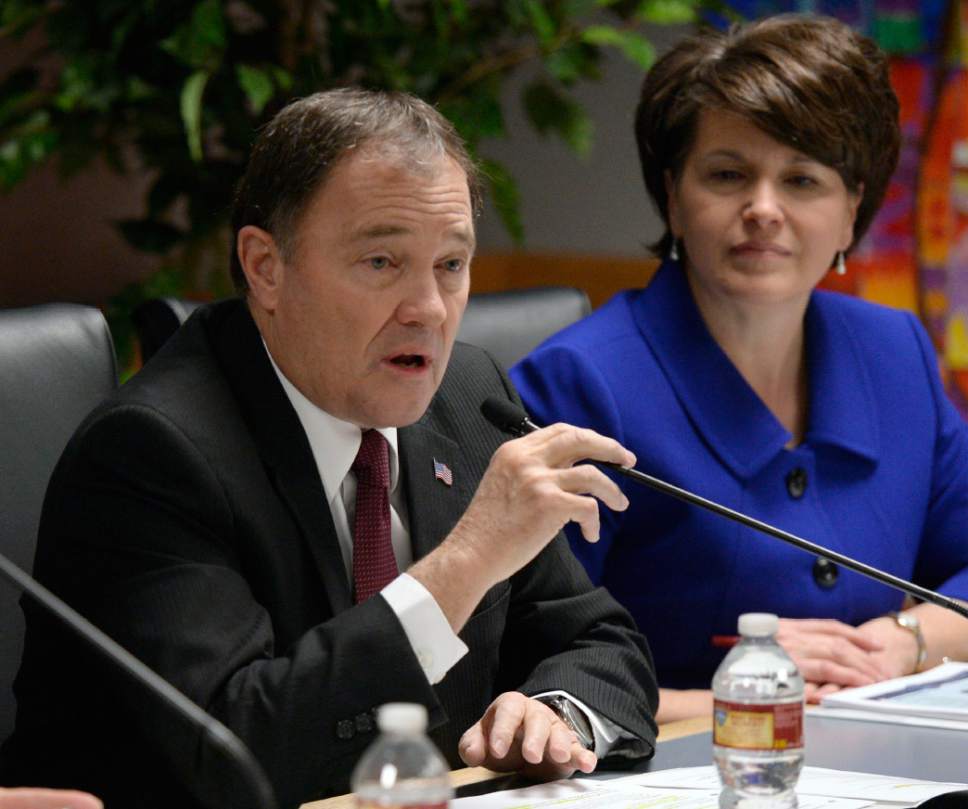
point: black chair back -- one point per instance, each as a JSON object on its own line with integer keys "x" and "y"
{"x": 508, "y": 323}
{"x": 512, "y": 322}
{"x": 56, "y": 363}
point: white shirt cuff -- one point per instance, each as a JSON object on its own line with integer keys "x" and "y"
{"x": 606, "y": 732}
{"x": 433, "y": 641}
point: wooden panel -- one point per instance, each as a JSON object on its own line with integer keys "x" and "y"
{"x": 600, "y": 276}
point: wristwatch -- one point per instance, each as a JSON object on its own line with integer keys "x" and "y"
{"x": 574, "y": 717}
{"x": 911, "y": 623}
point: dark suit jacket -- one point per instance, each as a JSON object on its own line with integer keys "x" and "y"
{"x": 187, "y": 519}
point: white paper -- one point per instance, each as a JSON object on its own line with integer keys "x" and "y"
{"x": 859, "y": 714}
{"x": 940, "y": 693}
{"x": 585, "y": 794}
{"x": 814, "y": 781}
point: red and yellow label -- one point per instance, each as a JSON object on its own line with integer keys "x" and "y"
{"x": 758, "y": 727}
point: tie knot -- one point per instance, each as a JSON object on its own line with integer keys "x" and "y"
{"x": 372, "y": 464}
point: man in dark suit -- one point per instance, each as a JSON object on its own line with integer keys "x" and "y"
{"x": 239, "y": 514}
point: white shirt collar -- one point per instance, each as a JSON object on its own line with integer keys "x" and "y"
{"x": 334, "y": 442}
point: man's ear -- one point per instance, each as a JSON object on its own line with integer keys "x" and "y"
{"x": 262, "y": 264}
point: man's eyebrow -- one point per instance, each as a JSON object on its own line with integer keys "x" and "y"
{"x": 461, "y": 234}
{"x": 465, "y": 236}
{"x": 377, "y": 231}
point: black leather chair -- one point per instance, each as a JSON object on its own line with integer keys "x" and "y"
{"x": 508, "y": 324}
{"x": 512, "y": 322}
{"x": 56, "y": 363}
{"x": 157, "y": 320}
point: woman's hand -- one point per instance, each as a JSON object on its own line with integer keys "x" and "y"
{"x": 900, "y": 652}
{"x": 833, "y": 655}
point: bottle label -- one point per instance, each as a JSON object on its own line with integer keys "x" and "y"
{"x": 758, "y": 727}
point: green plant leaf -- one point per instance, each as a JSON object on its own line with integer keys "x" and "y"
{"x": 667, "y": 12}
{"x": 16, "y": 16}
{"x": 552, "y": 111}
{"x": 257, "y": 85}
{"x": 191, "y": 111}
{"x": 18, "y": 93}
{"x": 582, "y": 8}
{"x": 199, "y": 42}
{"x": 505, "y": 197}
{"x": 476, "y": 114}
{"x": 282, "y": 78}
{"x": 541, "y": 22}
{"x": 635, "y": 47}
{"x": 572, "y": 62}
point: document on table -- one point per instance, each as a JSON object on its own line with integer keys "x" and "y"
{"x": 815, "y": 781}
{"x": 699, "y": 787}
{"x": 940, "y": 693}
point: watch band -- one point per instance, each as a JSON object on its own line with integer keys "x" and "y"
{"x": 911, "y": 623}
{"x": 573, "y": 717}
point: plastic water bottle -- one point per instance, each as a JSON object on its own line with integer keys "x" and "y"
{"x": 402, "y": 768}
{"x": 758, "y": 719}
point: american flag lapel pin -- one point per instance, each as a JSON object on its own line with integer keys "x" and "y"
{"x": 442, "y": 473}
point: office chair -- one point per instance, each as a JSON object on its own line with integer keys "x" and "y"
{"x": 56, "y": 362}
{"x": 157, "y": 320}
{"x": 508, "y": 323}
{"x": 512, "y": 322}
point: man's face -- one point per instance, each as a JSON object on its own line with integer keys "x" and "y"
{"x": 363, "y": 318}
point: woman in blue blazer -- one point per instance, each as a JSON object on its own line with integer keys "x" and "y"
{"x": 767, "y": 151}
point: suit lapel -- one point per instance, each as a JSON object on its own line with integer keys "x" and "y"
{"x": 433, "y": 506}
{"x": 283, "y": 445}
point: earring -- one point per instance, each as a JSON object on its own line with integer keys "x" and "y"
{"x": 674, "y": 250}
{"x": 841, "y": 268}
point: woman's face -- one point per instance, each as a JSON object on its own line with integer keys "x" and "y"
{"x": 761, "y": 222}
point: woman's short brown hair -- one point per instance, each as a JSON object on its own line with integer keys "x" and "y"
{"x": 810, "y": 82}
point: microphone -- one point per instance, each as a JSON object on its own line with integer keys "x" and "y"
{"x": 508, "y": 417}
{"x": 217, "y": 734}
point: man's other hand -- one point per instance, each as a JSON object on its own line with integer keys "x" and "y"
{"x": 520, "y": 734}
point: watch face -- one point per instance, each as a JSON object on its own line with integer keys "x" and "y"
{"x": 908, "y": 621}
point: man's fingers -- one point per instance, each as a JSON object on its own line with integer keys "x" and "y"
{"x": 561, "y": 741}
{"x": 537, "y": 735}
{"x": 587, "y": 479}
{"x": 584, "y": 760}
{"x": 471, "y": 747}
{"x": 508, "y": 715}
{"x": 563, "y": 445}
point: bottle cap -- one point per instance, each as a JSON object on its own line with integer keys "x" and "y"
{"x": 758, "y": 624}
{"x": 402, "y": 717}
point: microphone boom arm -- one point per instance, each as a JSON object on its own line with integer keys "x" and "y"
{"x": 510, "y": 418}
{"x": 218, "y": 734}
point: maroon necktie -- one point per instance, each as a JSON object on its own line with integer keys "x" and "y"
{"x": 374, "y": 565}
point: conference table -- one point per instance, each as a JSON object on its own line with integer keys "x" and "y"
{"x": 933, "y": 754}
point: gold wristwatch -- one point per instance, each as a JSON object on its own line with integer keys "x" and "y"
{"x": 911, "y": 623}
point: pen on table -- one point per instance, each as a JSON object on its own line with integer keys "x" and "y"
{"x": 724, "y": 641}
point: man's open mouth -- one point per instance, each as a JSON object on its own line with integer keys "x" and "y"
{"x": 409, "y": 360}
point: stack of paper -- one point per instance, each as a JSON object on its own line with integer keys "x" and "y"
{"x": 937, "y": 697}
{"x": 699, "y": 787}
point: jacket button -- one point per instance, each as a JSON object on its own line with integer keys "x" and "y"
{"x": 796, "y": 483}
{"x": 345, "y": 729}
{"x": 825, "y": 573}
{"x": 364, "y": 723}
